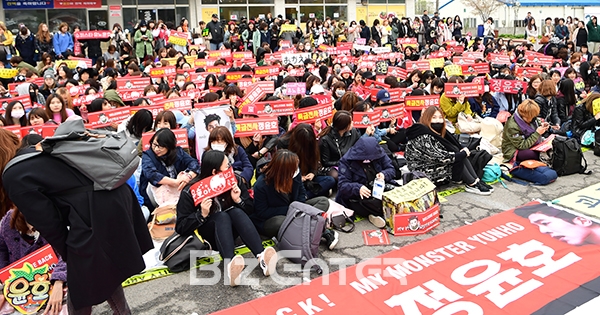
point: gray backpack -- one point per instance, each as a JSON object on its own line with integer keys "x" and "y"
{"x": 301, "y": 230}
{"x": 108, "y": 159}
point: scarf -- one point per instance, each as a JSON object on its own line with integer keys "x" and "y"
{"x": 526, "y": 129}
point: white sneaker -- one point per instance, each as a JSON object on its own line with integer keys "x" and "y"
{"x": 234, "y": 270}
{"x": 377, "y": 221}
{"x": 478, "y": 189}
{"x": 268, "y": 261}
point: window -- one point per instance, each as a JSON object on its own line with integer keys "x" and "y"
{"x": 32, "y": 19}
{"x": 339, "y": 13}
{"x": 129, "y": 18}
{"x": 257, "y": 11}
{"x": 227, "y": 12}
{"x": 71, "y": 16}
{"x": 261, "y": 1}
{"x": 313, "y": 12}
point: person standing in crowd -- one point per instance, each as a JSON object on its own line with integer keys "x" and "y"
{"x": 532, "y": 31}
{"x": 6, "y": 43}
{"x": 143, "y": 39}
{"x": 488, "y": 31}
{"x": 457, "y": 28}
{"x": 365, "y": 32}
{"x": 63, "y": 41}
{"x": 561, "y": 30}
{"x": 526, "y": 22}
{"x": 216, "y": 32}
{"x": 580, "y": 36}
{"x": 376, "y": 32}
{"x": 117, "y": 37}
{"x": 593, "y": 35}
{"x": 100, "y": 252}
{"x": 43, "y": 42}
{"x": 25, "y": 44}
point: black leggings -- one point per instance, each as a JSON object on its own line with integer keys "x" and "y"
{"x": 463, "y": 170}
{"x": 223, "y": 227}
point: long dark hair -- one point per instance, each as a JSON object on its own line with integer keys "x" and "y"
{"x": 280, "y": 171}
{"x": 140, "y": 122}
{"x": 211, "y": 161}
{"x": 341, "y": 120}
{"x": 166, "y": 139}
{"x": 567, "y": 88}
{"x": 304, "y": 143}
{"x": 9, "y": 120}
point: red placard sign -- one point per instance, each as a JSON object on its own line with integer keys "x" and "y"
{"x": 42, "y": 130}
{"x": 270, "y": 108}
{"x": 461, "y": 89}
{"x": 235, "y": 76}
{"x": 180, "y": 103}
{"x": 87, "y": 99}
{"x": 132, "y": 83}
{"x": 365, "y": 119}
{"x": 250, "y": 127}
{"x": 130, "y": 95}
{"x": 507, "y": 86}
{"x": 462, "y": 60}
{"x": 267, "y": 71}
{"x": 163, "y": 72}
{"x": 422, "y": 65}
{"x": 387, "y": 113}
{"x": 180, "y": 134}
{"x": 15, "y": 129}
{"x": 220, "y": 54}
{"x": 203, "y": 63}
{"x": 213, "y": 186}
{"x": 421, "y": 101}
{"x": 107, "y": 117}
{"x": 475, "y": 68}
{"x": 499, "y": 59}
{"x": 397, "y": 72}
{"x": 83, "y": 35}
{"x": 528, "y": 72}
{"x": 313, "y": 113}
{"x": 243, "y": 55}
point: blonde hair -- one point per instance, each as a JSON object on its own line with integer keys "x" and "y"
{"x": 528, "y": 110}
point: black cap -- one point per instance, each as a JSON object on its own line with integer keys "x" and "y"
{"x": 215, "y": 16}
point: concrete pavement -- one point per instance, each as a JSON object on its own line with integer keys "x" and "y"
{"x": 175, "y": 295}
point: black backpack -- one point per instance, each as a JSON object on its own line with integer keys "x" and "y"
{"x": 567, "y": 157}
{"x": 597, "y": 142}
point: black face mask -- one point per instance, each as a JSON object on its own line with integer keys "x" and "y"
{"x": 437, "y": 127}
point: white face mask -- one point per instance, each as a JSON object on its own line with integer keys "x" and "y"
{"x": 17, "y": 114}
{"x": 180, "y": 84}
{"x": 150, "y": 93}
{"x": 143, "y": 29}
{"x": 340, "y": 93}
{"x": 296, "y": 173}
{"x": 218, "y": 147}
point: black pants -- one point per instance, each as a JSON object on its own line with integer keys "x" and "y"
{"x": 366, "y": 207}
{"x": 463, "y": 170}
{"x": 222, "y": 228}
{"x": 272, "y": 225}
{"x": 116, "y": 301}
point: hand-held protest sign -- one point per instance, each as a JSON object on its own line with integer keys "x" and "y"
{"x": 163, "y": 72}
{"x": 461, "y": 89}
{"x": 178, "y": 38}
{"x": 422, "y": 65}
{"x": 213, "y": 186}
{"x": 475, "y": 68}
{"x": 26, "y": 282}
{"x": 108, "y": 117}
{"x": 311, "y": 114}
{"x": 295, "y": 88}
{"x": 507, "y": 86}
{"x": 248, "y": 127}
{"x": 180, "y": 134}
{"x": 266, "y": 71}
{"x": 83, "y": 35}
{"x": 270, "y": 108}
{"x": 365, "y": 119}
{"x": 132, "y": 83}
{"x": 421, "y": 101}
{"x": 387, "y": 113}
{"x": 42, "y": 130}
{"x": 544, "y": 145}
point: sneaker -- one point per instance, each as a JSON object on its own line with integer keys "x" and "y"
{"x": 456, "y": 182}
{"x": 234, "y": 270}
{"x": 377, "y": 221}
{"x": 478, "y": 189}
{"x": 489, "y": 187}
{"x": 268, "y": 261}
{"x": 331, "y": 238}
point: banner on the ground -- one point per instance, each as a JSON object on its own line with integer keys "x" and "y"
{"x": 536, "y": 259}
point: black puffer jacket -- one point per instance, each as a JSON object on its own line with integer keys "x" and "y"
{"x": 333, "y": 146}
{"x": 582, "y": 120}
{"x": 548, "y": 109}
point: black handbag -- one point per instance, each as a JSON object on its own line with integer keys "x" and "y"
{"x": 342, "y": 222}
{"x": 468, "y": 142}
{"x": 597, "y": 142}
{"x": 175, "y": 251}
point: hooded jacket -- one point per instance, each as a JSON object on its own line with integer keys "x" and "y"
{"x": 583, "y": 120}
{"x": 333, "y": 146}
{"x": 352, "y": 175}
{"x": 25, "y": 44}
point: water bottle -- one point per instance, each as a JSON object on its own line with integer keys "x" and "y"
{"x": 378, "y": 186}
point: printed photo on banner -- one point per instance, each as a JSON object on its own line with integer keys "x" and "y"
{"x": 205, "y": 120}
{"x": 213, "y": 186}
{"x": 462, "y": 89}
{"x": 365, "y": 119}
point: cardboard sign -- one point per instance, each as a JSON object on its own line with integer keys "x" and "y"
{"x": 78, "y": 89}
{"x": 398, "y": 72}
{"x": 83, "y": 35}
{"x": 180, "y": 103}
{"x": 42, "y": 130}
{"x": 436, "y": 63}
{"x": 132, "y": 83}
{"x": 25, "y": 100}
{"x": 544, "y": 145}
{"x": 311, "y": 114}
{"x": 266, "y": 71}
{"x": 213, "y": 186}
{"x": 475, "y": 68}
{"x": 365, "y": 119}
{"x": 250, "y": 127}
{"x": 453, "y": 70}
{"x": 220, "y": 54}
{"x": 527, "y": 72}
{"x": 499, "y": 59}
{"x": 180, "y": 134}
{"x": 108, "y": 117}
{"x": 8, "y": 73}
{"x": 295, "y": 88}
{"x": 454, "y": 90}
{"x": 376, "y": 237}
{"x": 507, "y": 86}
{"x": 26, "y": 282}
{"x": 163, "y": 72}
{"x": 178, "y": 38}
{"x": 422, "y": 65}
{"x": 294, "y": 59}
{"x": 387, "y": 113}
{"x": 240, "y": 55}
{"x": 277, "y": 108}
{"x": 87, "y": 99}
{"x": 421, "y": 101}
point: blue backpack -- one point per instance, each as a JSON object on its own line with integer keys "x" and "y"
{"x": 534, "y": 172}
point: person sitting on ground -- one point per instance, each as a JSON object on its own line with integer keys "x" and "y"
{"x": 365, "y": 162}
{"x": 336, "y": 140}
{"x": 221, "y": 219}
{"x": 586, "y": 116}
{"x": 522, "y": 131}
{"x": 220, "y": 139}
{"x": 437, "y": 153}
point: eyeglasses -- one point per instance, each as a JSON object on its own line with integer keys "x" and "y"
{"x": 156, "y": 146}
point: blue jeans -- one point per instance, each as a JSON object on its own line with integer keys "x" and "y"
{"x": 326, "y": 182}
{"x": 215, "y": 46}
